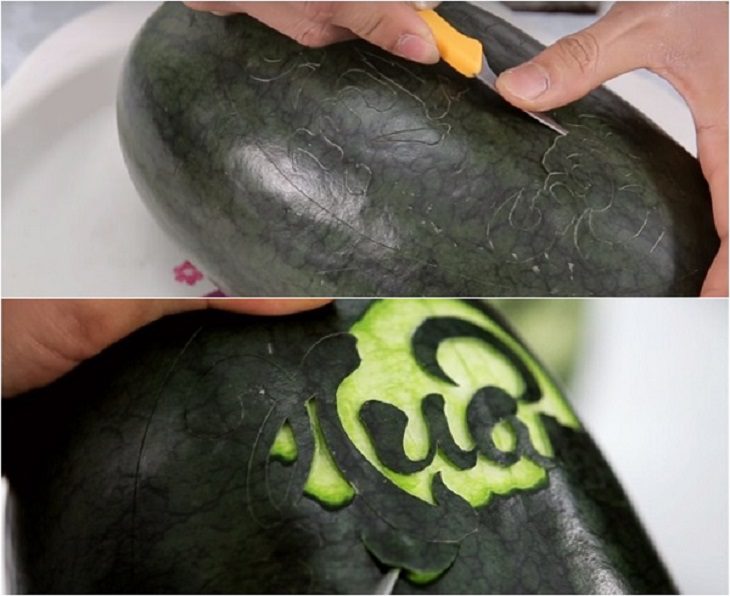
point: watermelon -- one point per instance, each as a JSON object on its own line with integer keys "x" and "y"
{"x": 345, "y": 171}
{"x": 316, "y": 453}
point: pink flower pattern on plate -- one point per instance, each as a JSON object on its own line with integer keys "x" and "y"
{"x": 187, "y": 273}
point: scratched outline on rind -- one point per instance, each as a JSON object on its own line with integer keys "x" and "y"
{"x": 566, "y": 178}
{"x": 158, "y": 398}
{"x": 394, "y": 87}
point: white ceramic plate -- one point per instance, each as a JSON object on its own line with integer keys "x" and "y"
{"x": 72, "y": 222}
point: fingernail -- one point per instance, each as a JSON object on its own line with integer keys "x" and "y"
{"x": 528, "y": 81}
{"x": 416, "y": 48}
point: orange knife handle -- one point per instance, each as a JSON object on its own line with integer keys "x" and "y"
{"x": 463, "y": 53}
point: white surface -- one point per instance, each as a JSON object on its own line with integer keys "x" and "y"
{"x": 26, "y": 23}
{"x": 652, "y": 391}
{"x": 72, "y": 222}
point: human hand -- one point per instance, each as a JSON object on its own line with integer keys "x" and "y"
{"x": 43, "y": 339}
{"x": 686, "y": 43}
{"x": 393, "y": 26}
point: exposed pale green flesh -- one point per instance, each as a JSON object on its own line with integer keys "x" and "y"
{"x": 325, "y": 482}
{"x": 383, "y": 343}
{"x": 422, "y": 577}
{"x": 504, "y": 437}
{"x": 285, "y": 446}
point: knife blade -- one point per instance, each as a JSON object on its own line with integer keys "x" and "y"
{"x": 466, "y": 55}
{"x": 387, "y": 583}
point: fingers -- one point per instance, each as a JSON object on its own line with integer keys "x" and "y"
{"x": 705, "y": 88}
{"x": 685, "y": 43}
{"x": 267, "y": 306}
{"x": 716, "y": 282}
{"x": 578, "y": 63}
{"x": 392, "y": 26}
{"x": 217, "y": 8}
{"x": 712, "y": 144}
{"x": 308, "y": 23}
{"x": 712, "y": 150}
{"x": 289, "y": 18}
{"x": 44, "y": 339}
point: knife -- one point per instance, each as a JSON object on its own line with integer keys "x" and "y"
{"x": 387, "y": 583}
{"x": 466, "y": 55}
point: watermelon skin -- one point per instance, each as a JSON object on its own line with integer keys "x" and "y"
{"x": 345, "y": 171}
{"x": 146, "y": 470}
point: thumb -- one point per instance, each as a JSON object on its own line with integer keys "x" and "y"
{"x": 44, "y": 339}
{"x": 576, "y": 64}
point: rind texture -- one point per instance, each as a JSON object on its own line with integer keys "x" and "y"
{"x": 345, "y": 171}
{"x": 147, "y": 470}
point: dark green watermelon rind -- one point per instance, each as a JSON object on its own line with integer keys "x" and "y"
{"x": 149, "y": 470}
{"x": 346, "y": 171}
